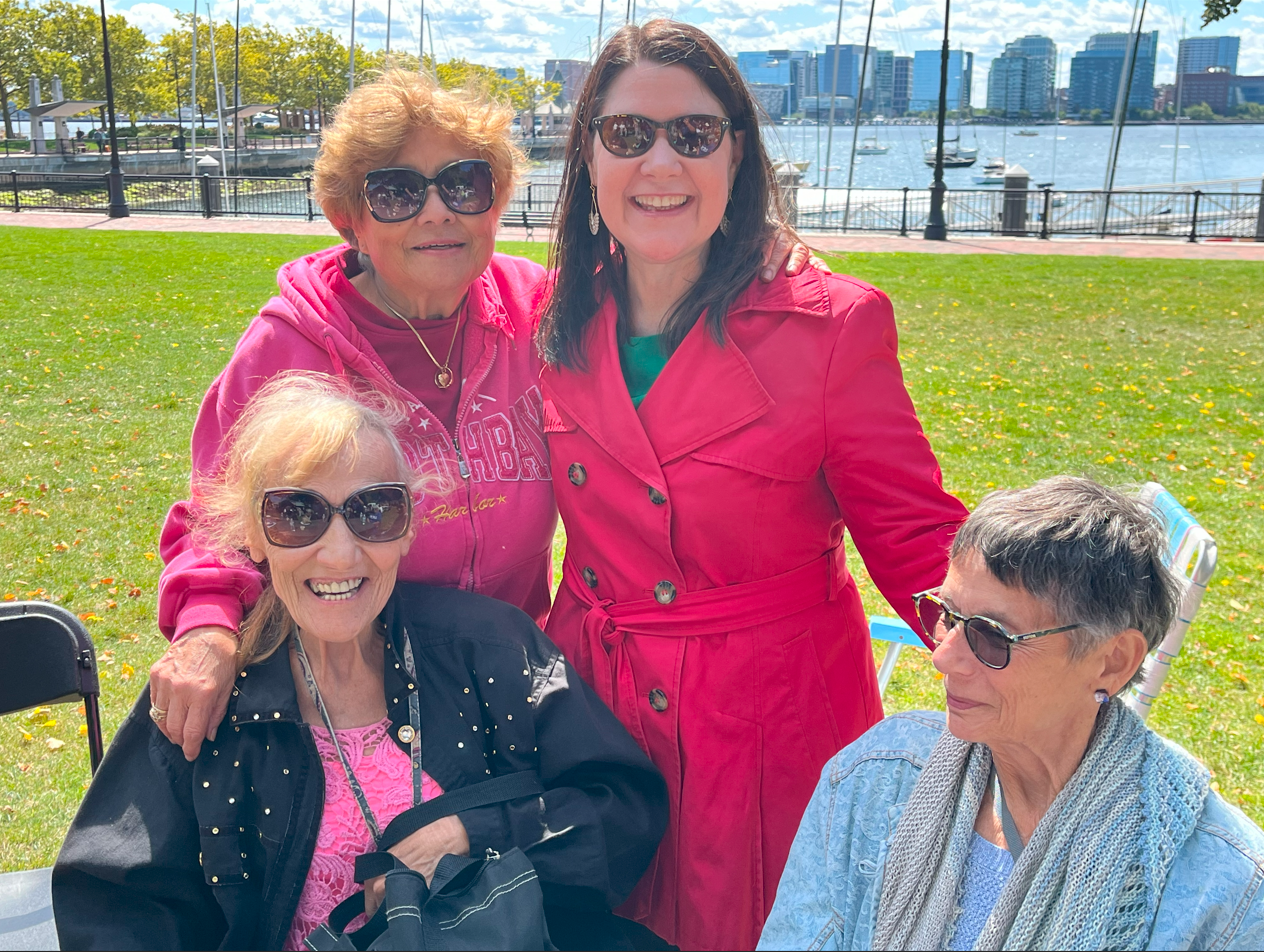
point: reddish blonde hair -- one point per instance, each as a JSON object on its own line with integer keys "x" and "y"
{"x": 373, "y": 122}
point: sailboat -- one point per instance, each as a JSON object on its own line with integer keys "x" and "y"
{"x": 956, "y": 156}
{"x": 870, "y": 146}
{"x": 993, "y": 173}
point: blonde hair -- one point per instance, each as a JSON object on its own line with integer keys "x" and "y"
{"x": 295, "y": 425}
{"x": 373, "y": 122}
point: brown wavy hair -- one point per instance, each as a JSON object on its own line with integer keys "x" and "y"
{"x": 588, "y": 267}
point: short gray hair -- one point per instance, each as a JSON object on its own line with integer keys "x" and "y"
{"x": 1096, "y": 555}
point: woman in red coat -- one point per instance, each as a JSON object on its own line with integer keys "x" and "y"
{"x": 711, "y": 437}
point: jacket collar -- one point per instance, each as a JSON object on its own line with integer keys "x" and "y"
{"x": 265, "y": 691}
{"x": 706, "y": 390}
{"x": 598, "y": 400}
{"x": 806, "y": 293}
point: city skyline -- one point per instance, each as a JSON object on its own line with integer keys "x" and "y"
{"x": 516, "y": 33}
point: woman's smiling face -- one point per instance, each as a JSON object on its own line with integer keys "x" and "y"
{"x": 336, "y": 587}
{"x": 438, "y": 253}
{"x": 661, "y": 206}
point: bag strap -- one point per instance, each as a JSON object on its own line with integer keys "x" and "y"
{"x": 524, "y": 783}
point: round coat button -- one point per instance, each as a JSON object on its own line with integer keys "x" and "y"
{"x": 656, "y": 497}
{"x": 577, "y": 474}
{"x": 658, "y": 700}
{"x": 590, "y": 577}
{"x": 406, "y": 734}
{"x": 665, "y": 593}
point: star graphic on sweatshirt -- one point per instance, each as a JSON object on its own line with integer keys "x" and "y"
{"x": 475, "y": 406}
{"x": 425, "y": 424}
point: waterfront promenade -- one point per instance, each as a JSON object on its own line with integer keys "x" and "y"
{"x": 834, "y": 243}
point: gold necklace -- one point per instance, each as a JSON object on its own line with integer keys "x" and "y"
{"x": 443, "y": 378}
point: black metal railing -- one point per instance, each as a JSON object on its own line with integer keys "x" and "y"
{"x": 131, "y": 145}
{"x": 1038, "y": 213}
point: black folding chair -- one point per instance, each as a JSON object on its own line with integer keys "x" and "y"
{"x": 47, "y": 657}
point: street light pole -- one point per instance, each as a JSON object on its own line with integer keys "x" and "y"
{"x": 936, "y": 228}
{"x": 118, "y": 203}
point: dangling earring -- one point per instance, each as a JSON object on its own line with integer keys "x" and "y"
{"x": 724, "y": 222}
{"x": 594, "y": 217}
{"x": 1101, "y": 696}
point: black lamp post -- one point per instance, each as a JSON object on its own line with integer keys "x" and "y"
{"x": 936, "y": 226}
{"x": 118, "y": 204}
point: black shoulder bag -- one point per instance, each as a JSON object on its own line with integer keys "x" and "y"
{"x": 492, "y": 902}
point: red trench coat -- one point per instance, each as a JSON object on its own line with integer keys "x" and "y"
{"x": 744, "y": 463}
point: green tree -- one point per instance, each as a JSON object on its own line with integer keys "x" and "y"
{"x": 17, "y": 28}
{"x": 1214, "y": 10}
{"x": 1200, "y": 111}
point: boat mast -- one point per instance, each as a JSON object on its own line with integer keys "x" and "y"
{"x": 860, "y": 98}
{"x": 829, "y": 138}
{"x": 1176, "y": 148}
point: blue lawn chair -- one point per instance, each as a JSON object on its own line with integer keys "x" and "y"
{"x": 1191, "y": 554}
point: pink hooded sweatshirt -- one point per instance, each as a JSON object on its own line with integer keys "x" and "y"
{"x": 492, "y": 534}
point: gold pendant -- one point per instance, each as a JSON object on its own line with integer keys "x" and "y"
{"x": 443, "y": 379}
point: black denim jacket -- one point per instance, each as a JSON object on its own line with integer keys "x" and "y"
{"x": 166, "y": 854}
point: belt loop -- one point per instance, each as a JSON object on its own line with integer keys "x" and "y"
{"x": 833, "y": 572}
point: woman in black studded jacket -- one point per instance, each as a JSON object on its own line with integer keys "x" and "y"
{"x": 219, "y": 852}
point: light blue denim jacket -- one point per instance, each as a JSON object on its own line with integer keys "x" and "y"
{"x": 829, "y": 892}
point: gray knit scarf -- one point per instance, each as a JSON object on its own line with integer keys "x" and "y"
{"x": 1093, "y": 873}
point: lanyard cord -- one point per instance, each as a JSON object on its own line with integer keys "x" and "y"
{"x": 414, "y": 741}
{"x": 1013, "y": 841}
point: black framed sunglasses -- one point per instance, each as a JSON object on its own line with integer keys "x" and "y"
{"x": 986, "y": 637}
{"x": 694, "y": 137}
{"x": 293, "y": 518}
{"x": 395, "y": 195}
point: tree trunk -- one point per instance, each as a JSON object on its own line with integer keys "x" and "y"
{"x": 4, "y": 106}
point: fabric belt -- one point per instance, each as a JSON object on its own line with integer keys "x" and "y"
{"x": 709, "y": 611}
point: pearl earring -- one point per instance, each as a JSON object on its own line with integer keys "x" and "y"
{"x": 1101, "y": 696}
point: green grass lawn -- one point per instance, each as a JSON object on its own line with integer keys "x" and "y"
{"x": 1021, "y": 367}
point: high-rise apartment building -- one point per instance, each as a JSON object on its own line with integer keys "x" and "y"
{"x": 1020, "y": 80}
{"x": 570, "y": 73}
{"x": 880, "y": 102}
{"x": 924, "y": 96}
{"x": 901, "y": 84}
{"x": 850, "y": 56}
{"x": 1098, "y": 69}
{"x": 794, "y": 69}
{"x": 1197, "y": 54}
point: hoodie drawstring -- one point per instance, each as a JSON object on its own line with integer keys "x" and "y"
{"x": 332, "y": 349}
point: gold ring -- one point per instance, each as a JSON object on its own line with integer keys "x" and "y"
{"x": 157, "y": 714}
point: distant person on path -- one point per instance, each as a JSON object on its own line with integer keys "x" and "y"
{"x": 711, "y": 439}
{"x": 416, "y": 305}
{"x": 96, "y": 136}
{"x": 252, "y": 845}
{"x": 1041, "y": 813}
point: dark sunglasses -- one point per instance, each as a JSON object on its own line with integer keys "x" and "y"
{"x": 988, "y": 639}
{"x": 293, "y": 518}
{"x": 628, "y": 136}
{"x": 399, "y": 194}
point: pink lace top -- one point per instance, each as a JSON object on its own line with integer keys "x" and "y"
{"x": 385, "y": 773}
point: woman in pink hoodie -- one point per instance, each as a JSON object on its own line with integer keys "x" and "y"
{"x": 418, "y": 306}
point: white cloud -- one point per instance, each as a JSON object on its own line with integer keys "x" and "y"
{"x": 525, "y": 32}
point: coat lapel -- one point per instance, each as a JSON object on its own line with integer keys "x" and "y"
{"x": 704, "y": 392}
{"x": 597, "y": 399}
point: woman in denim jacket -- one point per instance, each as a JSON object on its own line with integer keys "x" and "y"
{"x": 1047, "y": 815}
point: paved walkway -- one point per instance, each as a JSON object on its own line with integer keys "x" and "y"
{"x": 960, "y": 245}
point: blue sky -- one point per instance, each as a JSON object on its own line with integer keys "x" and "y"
{"x": 514, "y": 33}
